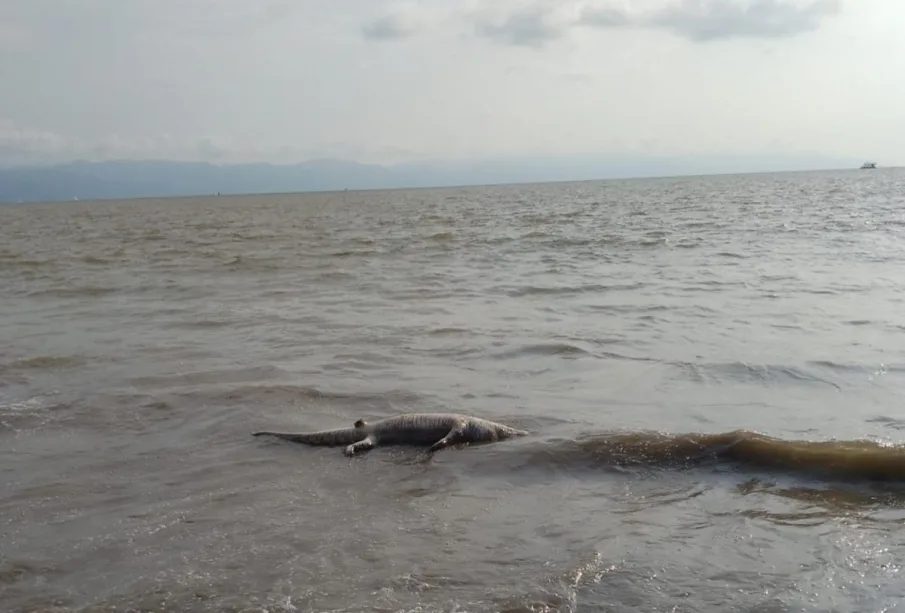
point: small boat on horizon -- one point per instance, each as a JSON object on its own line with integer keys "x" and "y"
{"x": 868, "y": 165}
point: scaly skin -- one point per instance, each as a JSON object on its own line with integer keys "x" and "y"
{"x": 439, "y": 430}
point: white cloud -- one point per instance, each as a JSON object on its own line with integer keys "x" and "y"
{"x": 18, "y": 142}
{"x": 389, "y": 27}
{"x": 709, "y": 20}
{"x": 535, "y": 23}
{"x": 28, "y": 145}
{"x": 402, "y": 20}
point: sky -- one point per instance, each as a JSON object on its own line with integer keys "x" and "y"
{"x": 383, "y": 81}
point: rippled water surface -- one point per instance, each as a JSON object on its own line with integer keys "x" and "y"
{"x": 711, "y": 370}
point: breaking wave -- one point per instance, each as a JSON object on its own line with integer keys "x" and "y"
{"x": 857, "y": 460}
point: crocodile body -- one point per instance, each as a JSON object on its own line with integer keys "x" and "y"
{"x": 439, "y": 430}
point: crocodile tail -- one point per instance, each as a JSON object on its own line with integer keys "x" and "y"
{"x": 329, "y": 438}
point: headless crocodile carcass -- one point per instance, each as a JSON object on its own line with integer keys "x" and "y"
{"x": 438, "y": 430}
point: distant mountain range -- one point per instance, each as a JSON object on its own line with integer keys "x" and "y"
{"x": 89, "y": 180}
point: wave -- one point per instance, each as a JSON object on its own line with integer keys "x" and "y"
{"x": 274, "y": 393}
{"x": 535, "y": 234}
{"x": 347, "y": 253}
{"x": 208, "y": 377}
{"x": 8, "y": 262}
{"x": 202, "y": 324}
{"x": 44, "y": 362}
{"x": 852, "y": 460}
{"x": 536, "y": 290}
{"x": 543, "y": 349}
{"x": 448, "y": 331}
{"x": 90, "y": 291}
{"x": 255, "y": 263}
{"x": 748, "y": 372}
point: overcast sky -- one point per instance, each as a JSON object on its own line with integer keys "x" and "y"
{"x": 382, "y": 81}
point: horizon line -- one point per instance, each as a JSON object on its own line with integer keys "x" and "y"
{"x": 444, "y": 186}
{"x": 493, "y": 158}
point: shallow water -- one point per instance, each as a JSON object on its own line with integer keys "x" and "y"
{"x": 710, "y": 368}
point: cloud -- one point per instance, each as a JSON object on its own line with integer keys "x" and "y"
{"x": 19, "y": 142}
{"x": 24, "y": 144}
{"x": 525, "y": 27}
{"x": 401, "y": 21}
{"x": 710, "y": 20}
{"x": 523, "y": 23}
{"x": 606, "y": 17}
{"x": 537, "y": 24}
{"x": 389, "y": 27}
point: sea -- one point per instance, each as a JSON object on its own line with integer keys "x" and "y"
{"x": 711, "y": 371}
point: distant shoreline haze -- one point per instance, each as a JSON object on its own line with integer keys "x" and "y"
{"x": 123, "y": 179}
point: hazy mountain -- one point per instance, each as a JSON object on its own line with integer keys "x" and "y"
{"x": 133, "y": 179}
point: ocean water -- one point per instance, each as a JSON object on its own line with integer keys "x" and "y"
{"x": 711, "y": 369}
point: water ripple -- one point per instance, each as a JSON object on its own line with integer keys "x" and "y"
{"x": 731, "y": 344}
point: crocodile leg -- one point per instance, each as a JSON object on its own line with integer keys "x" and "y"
{"x": 455, "y": 435}
{"x": 364, "y": 444}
